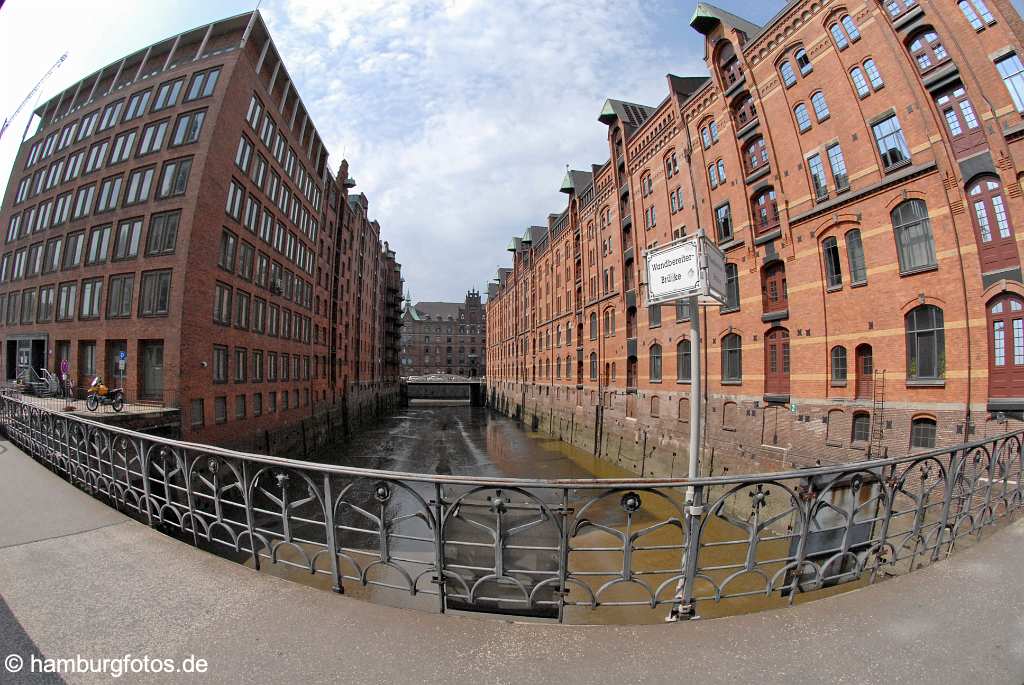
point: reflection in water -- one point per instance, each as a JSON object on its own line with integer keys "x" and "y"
{"x": 472, "y": 441}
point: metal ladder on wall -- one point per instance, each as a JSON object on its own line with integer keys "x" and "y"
{"x": 875, "y": 449}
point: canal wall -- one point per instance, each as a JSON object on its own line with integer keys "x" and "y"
{"x": 648, "y": 432}
{"x": 360, "y": 406}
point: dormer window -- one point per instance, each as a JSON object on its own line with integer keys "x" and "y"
{"x": 729, "y": 66}
{"x": 927, "y": 50}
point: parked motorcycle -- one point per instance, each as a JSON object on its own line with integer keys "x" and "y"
{"x": 98, "y": 394}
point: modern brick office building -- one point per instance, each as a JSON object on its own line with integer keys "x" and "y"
{"x": 860, "y": 166}
{"x": 178, "y": 206}
{"x": 445, "y": 337}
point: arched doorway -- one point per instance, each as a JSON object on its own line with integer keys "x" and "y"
{"x": 993, "y": 227}
{"x": 776, "y": 362}
{"x": 1006, "y": 346}
{"x": 865, "y": 368}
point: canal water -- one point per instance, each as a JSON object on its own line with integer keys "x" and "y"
{"x": 473, "y": 441}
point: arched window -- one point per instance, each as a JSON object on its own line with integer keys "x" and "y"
{"x": 684, "y": 409}
{"x": 732, "y": 288}
{"x": 896, "y": 8}
{"x": 593, "y": 325}
{"x": 721, "y": 170}
{"x": 859, "y": 82}
{"x": 839, "y": 36}
{"x": 865, "y": 368}
{"x": 729, "y": 66}
{"x": 683, "y": 361}
{"x": 861, "y": 429}
{"x": 927, "y": 50}
{"x": 743, "y": 110}
{"x": 646, "y": 185}
{"x": 613, "y": 371}
{"x": 713, "y": 175}
{"x": 593, "y": 366}
{"x": 1006, "y": 345}
{"x": 774, "y": 292}
{"x": 558, "y": 367}
{"x": 755, "y": 154}
{"x": 962, "y": 123}
{"x": 913, "y": 233}
{"x": 833, "y": 423}
{"x": 732, "y": 358}
{"x": 803, "y": 118}
{"x": 713, "y": 128}
{"x": 839, "y": 365}
{"x": 833, "y": 265}
{"x": 977, "y": 13}
{"x": 765, "y": 209}
{"x": 926, "y": 343}
{"x": 993, "y": 228}
{"x": 655, "y": 362}
{"x": 729, "y": 413}
{"x": 845, "y": 32}
{"x": 820, "y": 106}
{"x": 671, "y": 165}
{"x": 788, "y": 75}
{"x": 855, "y": 258}
{"x": 873, "y": 74}
{"x": 803, "y": 62}
{"x": 655, "y": 406}
{"x": 705, "y": 137}
{"x": 922, "y": 433}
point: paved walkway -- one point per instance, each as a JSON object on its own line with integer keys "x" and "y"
{"x": 79, "y": 579}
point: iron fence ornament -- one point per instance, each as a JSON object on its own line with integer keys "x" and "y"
{"x": 559, "y": 548}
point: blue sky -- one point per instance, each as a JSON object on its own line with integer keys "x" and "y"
{"x": 457, "y": 116}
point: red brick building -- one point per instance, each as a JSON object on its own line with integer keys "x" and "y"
{"x": 178, "y": 206}
{"x": 860, "y": 166}
{"x": 445, "y": 337}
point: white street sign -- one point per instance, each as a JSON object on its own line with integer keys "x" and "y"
{"x": 686, "y": 267}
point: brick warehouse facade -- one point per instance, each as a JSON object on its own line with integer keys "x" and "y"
{"x": 860, "y": 165}
{"x": 445, "y": 337}
{"x": 178, "y": 206}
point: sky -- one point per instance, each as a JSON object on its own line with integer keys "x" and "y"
{"x": 457, "y": 117}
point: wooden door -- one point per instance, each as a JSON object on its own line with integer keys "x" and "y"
{"x": 1006, "y": 346}
{"x": 774, "y": 293}
{"x": 776, "y": 367}
{"x": 962, "y": 122}
{"x": 865, "y": 369}
{"x": 993, "y": 228}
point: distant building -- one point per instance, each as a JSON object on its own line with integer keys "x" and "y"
{"x": 444, "y": 337}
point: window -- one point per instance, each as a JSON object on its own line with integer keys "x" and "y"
{"x": 45, "y": 309}
{"x": 788, "y": 75}
{"x": 110, "y": 194}
{"x": 655, "y": 362}
{"x": 892, "y": 146}
{"x": 729, "y": 66}
{"x": 682, "y": 310}
{"x": 51, "y": 256}
{"x": 723, "y": 223}
{"x": 897, "y": 7}
{"x": 927, "y": 50}
{"x": 123, "y": 144}
{"x": 243, "y": 155}
{"x": 163, "y": 234}
{"x": 71, "y": 171}
{"x": 961, "y": 121}
{"x": 91, "y": 298}
{"x": 755, "y": 154}
{"x": 126, "y": 243}
{"x": 240, "y": 406}
{"x": 241, "y": 310}
{"x": 152, "y": 138}
{"x": 174, "y": 178}
{"x": 593, "y": 326}
{"x": 713, "y": 129}
{"x": 111, "y": 113}
{"x": 744, "y": 111}
{"x": 803, "y": 119}
{"x": 73, "y": 253}
{"x": 654, "y": 315}
{"x": 721, "y": 171}
{"x": 837, "y": 163}
{"x": 1012, "y": 72}
{"x": 99, "y": 245}
{"x": 922, "y": 433}
{"x": 913, "y": 233}
{"x": 167, "y": 94}
{"x": 977, "y": 13}
{"x": 241, "y": 364}
{"x": 855, "y": 257}
{"x": 83, "y": 201}
{"x": 155, "y": 293}
{"x": 140, "y": 182}
{"x": 255, "y": 111}
{"x": 833, "y": 265}
{"x": 926, "y": 354}
{"x": 818, "y": 181}
{"x": 873, "y": 74}
{"x": 683, "y": 361}
{"x": 774, "y": 289}
{"x": 67, "y": 298}
{"x": 593, "y": 366}
{"x": 820, "y": 106}
{"x": 222, "y": 304}
{"x": 842, "y": 42}
{"x": 732, "y": 288}
{"x": 197, "y": 413}
{"x": 861, "y": 430}
{"x": 839, "y": 365}
{"x": 766, "y": 210}
{"x": 235, "y": 195}
{"x": 859, "y": 82}
{"x": 712, "y": 177}
{"x": 119, "y": 299}
{"x": 188, "y": 127}
{"x": 220, "y": 364}
{"x": 202, "y": 84}
{"x": 705, "y": 137}
{"x": 992, "y": 224}
{"x": 97, "y": 153}
{"x": 137, "y": 104}
{"x": 732, "y": 358}
{"x": 88, "y": 125}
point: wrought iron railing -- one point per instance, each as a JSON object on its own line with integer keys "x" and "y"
{"x": 569, "y": 550}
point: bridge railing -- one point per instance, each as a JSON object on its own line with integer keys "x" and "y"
{"x": 630, "y": 550}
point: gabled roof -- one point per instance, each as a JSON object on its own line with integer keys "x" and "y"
{"x": 439, "y": 311}
{"x": 685, "y": 86}
{"x": 630, "y": 113}
{"x": 576, "y": 181}
{"x": 706, "y": 16}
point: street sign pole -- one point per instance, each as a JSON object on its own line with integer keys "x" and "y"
{"x": 695, "y": 395}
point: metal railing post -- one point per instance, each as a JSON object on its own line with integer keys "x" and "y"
{"x": 685, "y": 608}
{"x": 331, "y": 542}
{"x": 439, "y": 579}
{"x": 249, "y": 516}
{"x": 956, "y": 462}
